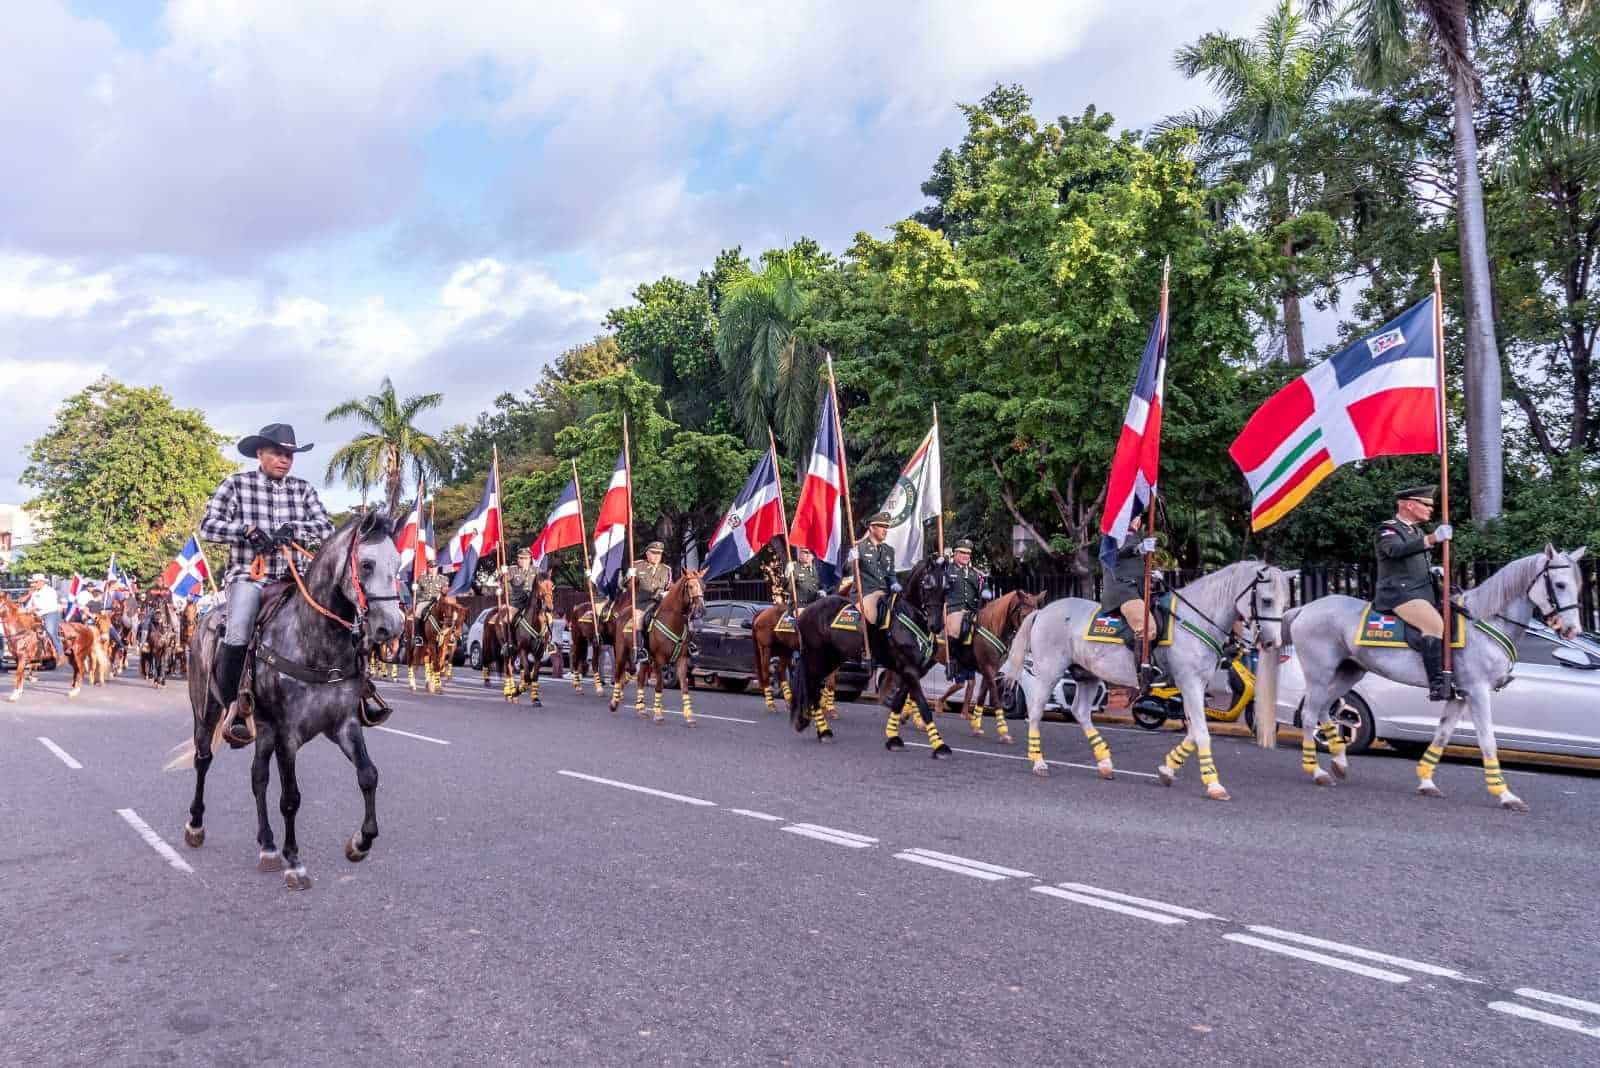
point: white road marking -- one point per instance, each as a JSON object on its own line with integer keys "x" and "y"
{"x": 1364, "y": 954}
{"x": 1557, "y": 999}
{"x": 639, "y": 789}
{"x": 153, "y": 839}
{"x": 1018, "y": 756}
{"x": 1159, "y": 906}
{"x": 981, "y": 865}
{"x": 756, "y": 815}
{"x": 807, "y": 831}
{"x": 1319, "y": 958}
{"x": 408, "y": 734}
{"x": 944, "y": 865}
{"x": 66, "y": 758}
{"x": 708, "y": 715}
{"x": 841, "y": 834}
{"x": 1110, "y": 906}
{"x": 1566, "y": 1023}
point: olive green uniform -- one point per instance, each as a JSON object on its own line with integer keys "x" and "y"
{"x": 1403, "y": 568}
{"x": 520, "y": 583}
{"x": 807, "y": 584}
{"x": 876, "y": 560}
{"x": 429, "y": 589}
{"x": 1125, "y": 582}
{"x": 963, "y": 593}
{"x": 652, "y": 581}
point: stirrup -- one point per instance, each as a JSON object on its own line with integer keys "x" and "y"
{"x": 380, "y": 710}
{"x": 237, "y": 730}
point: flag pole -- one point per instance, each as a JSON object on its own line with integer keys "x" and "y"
{"x": 1150, "y": 516}
{"x": 501, "y": 594}
{"x": 1444, "y": 464}
{"x": 939, "y": 515}
{"x": 583, "y": 543}
{"x": 783, "y": 531}
{"x": 198, "y": 544}
{"x": 633, "y": 580}
{"x": 849, "y": 516}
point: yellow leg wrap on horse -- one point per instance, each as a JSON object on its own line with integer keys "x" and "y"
{"x": 411, "y": 676}
{"x": 1332, "y": 738}
{"x": 1308, "y": 753}
{"x": 657, "y": 706}
{"x": 1429, "y": 761}
{"x": 510, "y": 687}
{"x": 788, "y": 695}
{"x": 1208, "y": 768}
{"x": 1180, "y": 753}
{"x": 1000, "y": 727}
{"x": 534, "y": 689}
{"x": 1102, "y": 751}
{"x": 766, "y": 695}
{"x": 933, "y": 735}
{"x": 819, "y": 721}
{"x": 977, "y": 718}
{"x": 1493, "y": 777}
{"x": 891, "y": 729}
{"x": 1035, "y": 745}
{"x": 688, "y": 708}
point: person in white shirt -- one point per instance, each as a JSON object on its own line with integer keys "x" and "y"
{"x": 84, "y": 599}
{"x": 43, "y": 602}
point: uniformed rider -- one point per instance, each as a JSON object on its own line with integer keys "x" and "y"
{"x": 876, "y": 560}
{"x": 650, "y": 581}
{"x": 522, "y": 582}
{"x": 426, "y": 592}
{"x": 1405, "y": 580}
{"x": 1123, "y": 590}
{"x": 807, "y": 583}
{"x": 965, "y": 590}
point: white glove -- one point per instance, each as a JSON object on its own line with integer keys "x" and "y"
{"x": 850, "y": 557}
{"x": 1437, "y": 570}
{"x": 1442, "y": 532}
{"x": 894, "y": 587}
{"x": 788, "y": 572}
{"x": 631, "y": 574}
{"x": 1147, "y": 546}
{"x": 987, "y": 595}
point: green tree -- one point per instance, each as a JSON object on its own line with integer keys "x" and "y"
{"x": 393, "y": 442}
{"x": 771, "y": 371}
{"x": 121, "y": 470}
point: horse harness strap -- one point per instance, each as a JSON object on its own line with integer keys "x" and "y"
{"x": 275, "y": 660}
{"x": 1216, "y": 646}
{"x": 924, "y": 639}
{"x": 993, "y": 639}
{"x": 675, "y": 639}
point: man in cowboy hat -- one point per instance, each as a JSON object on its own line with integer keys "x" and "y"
{"x": 876, "y": 559}
{"x": 43, "y": 602}
{"x": 1405, "y": 581}
{"x": 651, "y": 580}
{"x": 1122, "y": 591}
{"x": 964, "y": 594}
{"x": 255, "y": 513}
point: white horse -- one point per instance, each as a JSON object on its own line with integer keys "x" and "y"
{"x": 1547, "y": 583}
{"x": 1205, "y": 610}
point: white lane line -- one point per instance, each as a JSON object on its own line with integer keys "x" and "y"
{"x": 838, "y": 833}
{"x": 767, "y": 816}
{"x": 1557, "y": 999}
{"x": 638, "y": 789}
{"x": 66, "y": 757}
{"x": 944, "y": 865}
{"x": 708, "y": 715}
{"x": 981, "y": 865}
{"x": 408, "y": 734}
{"x": 1319, "y": 958}
{"x": 1056, "y": 763}
{"x": 1159, "y": 906}
{"x": 1364, "y": 954}
{"x": 154, "y": 840}
{"x": 1102, "y": 903}
{"x": 1566, "y": 1023}
{"x": 806, "y": 831}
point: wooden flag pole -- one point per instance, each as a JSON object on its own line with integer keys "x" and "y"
{"x": 633, "y": 581}
{"x": 783, "y": 532}
{"x": 939, "y": 515}
{"x": 849, "y": 516}
{"x": 583, "y": 543}
{"x": 1150, "y": 517}
{"x": 500, "y": 543}
{"x": 1444, "y": 463}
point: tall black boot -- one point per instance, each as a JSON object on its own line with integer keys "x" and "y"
{"x": 1439, "y": 687}
{"x": 227, "y": 670}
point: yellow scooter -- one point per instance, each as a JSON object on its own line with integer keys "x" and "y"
{"x": 1227, "y": 699}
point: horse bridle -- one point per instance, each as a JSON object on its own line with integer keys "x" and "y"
{"x": 361, "y": 599}
{"x": 1255, "y": 617}
{"x": 1550, "y": 591}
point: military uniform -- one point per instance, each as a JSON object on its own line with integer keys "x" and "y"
{"x": 521, "y": 581}
{"x": 876, "y": 562}
{"x": 429, "y": 588}
{"x": 807, "y": 584}
{"x": 1405, "y": 587}
{"x": 1125, "y": 582}
{"x": 650, "y": 582}
{"x": 963, "y": 595}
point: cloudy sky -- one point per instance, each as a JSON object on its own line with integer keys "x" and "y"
{"x": 266, "y": 205}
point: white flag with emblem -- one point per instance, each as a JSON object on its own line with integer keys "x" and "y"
{"x": 914, "y": 500}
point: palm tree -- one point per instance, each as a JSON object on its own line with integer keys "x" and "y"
{"x": 381, "y": 456}
{"x": 1269, "y": 87}
{"x": 772, "y": 376}
{"x": 1384, "y": 45}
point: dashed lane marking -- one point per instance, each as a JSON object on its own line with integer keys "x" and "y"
{"x": 65, "y": 757}
{"x": 154, "y": 840}
{"x": 978, "y": 869}
{"x": 1364, "y": 954}
{"x": 1018, "y": 756}
{"x": 684, "y": 798}
{"x": 848, "y": 839}
{"x": 1107, "y": 904}
{"x": 1149, "y": 903}
{"x": 1318, "y": 958}
{"x": 767, "y": 816}
{"x": 408, "y": 734}
{"x": 1566, "y": 1023}
{"x": 1557, "y": 999}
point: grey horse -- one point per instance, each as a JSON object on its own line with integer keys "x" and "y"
{"x": 1547, "y": 584}
{"x": 1206, "y": 613}
{"x": 317, "y": 644}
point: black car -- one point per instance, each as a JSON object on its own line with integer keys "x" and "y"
{"x": 725, "y": 635}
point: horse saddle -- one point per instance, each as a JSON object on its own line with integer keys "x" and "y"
{"x": 785, "y": 624}
{"x": 1385, "y": 630}
{"x": 1111, "y": 627}
{"x": 848, "y": 618}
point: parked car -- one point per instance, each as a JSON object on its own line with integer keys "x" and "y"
{"x": 470, "y": 649}
{"x": 726, "y": 658}
{"x": 1552, "y": 704}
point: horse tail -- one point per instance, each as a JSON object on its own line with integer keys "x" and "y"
{"x": 1019, "y": 646}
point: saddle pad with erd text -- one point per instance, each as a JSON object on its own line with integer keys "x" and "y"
{"x": 1385, "y": 630}
{"x": 785, "y": 624}
{"x": 849, "y": 618}
{"x": 1110, "y": 626}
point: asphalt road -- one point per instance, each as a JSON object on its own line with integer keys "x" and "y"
{"x": 565, "y": 886}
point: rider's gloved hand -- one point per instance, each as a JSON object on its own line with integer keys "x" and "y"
{"x": 283, "y": 535}
{"x": 632, "y": 573}
{"x": 1443, "y": 532}
{"x": 1437, "y": 571}
{"x": 259, "y": 540}
{"x": 1147, "y": 546}
{"x": 850, "y": 557}
{"x": 788, "y": 572}
{"x": 894, "y": 587}
{"x": 987, "y": 594}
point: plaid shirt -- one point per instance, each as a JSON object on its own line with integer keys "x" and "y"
{"x": 251, "y": 499}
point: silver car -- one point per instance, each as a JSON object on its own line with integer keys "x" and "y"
{"x": 1552, "y": 704}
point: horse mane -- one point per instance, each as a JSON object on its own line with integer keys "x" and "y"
{"x": 1504, "y": 586}
{"x": 913, "y": 581}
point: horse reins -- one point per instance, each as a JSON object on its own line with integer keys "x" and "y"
{"x": 1550, "y": 591}
{"x": 361, "y": 599}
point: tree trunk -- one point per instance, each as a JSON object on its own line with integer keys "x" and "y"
{"x": 1483, "y": 388}
{"x": 1294, "y": 330}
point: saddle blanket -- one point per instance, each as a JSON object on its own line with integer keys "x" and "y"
{"x": 785, "y": 624}
{"x": 1385, "y": 630}
{"x": 1110, "y": 626}
{"x": 849, "y": 618}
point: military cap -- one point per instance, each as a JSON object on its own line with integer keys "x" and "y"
{"x": 879, "y": 520}
{"x": 1417, "y": 493}
{"x": 655, "y": 547}
{"x": 524, "y": 551}
{"x": 965, "y": 544}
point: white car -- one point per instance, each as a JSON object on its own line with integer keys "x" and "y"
{"x": 473, "y": 645}
{"x": 1552, "y": 704}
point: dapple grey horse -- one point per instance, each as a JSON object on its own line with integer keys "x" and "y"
{"x": 308, "y": 680}
{"x": 1547, "y": 584}
{"x": 1205, "y": 611}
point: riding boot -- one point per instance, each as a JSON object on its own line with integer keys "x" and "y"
{"x": 228, "y": 670}
{"x": 1439, "y": 687}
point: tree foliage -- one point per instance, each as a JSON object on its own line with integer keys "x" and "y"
{"x": 392, "y": 445}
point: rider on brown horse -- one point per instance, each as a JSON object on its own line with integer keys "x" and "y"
{"x": 651, "y": 580}
{"x": 256, "y": 513}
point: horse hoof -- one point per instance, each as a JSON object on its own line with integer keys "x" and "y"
{"x": 975, "y": 733}
{"x": 1107, "y": 771}
{"x": 1341, "y": 767}
{"x": 194, "y": 837}
{"x": 1510, "y": 802}
{"x": 942, "y": 750}
{"x": 830, "y": 714}
{"x": 1164, "y": 775}
{"x": 1322, "y": 778}
{"x": 14, "y": 695}
{"x": 1427, "y": 789}
{"x": 536, "y": 703}
{"x": 269, "y": 862}
{"x": 893, "y": 744}
{"x": 825, "y": 738}
{"x": 297, "y": 879}
{"x": 1041, "y": 769}
{"x": 1215, "y": 792}
{"x": 1004, "y": 739}
{"x": 351, "y": 853}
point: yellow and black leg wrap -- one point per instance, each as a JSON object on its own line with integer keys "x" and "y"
{"x": 533, "y": 689}
{"x": 977, "y": 719}
{"x": 935, "y": 740}
{"x": 1429, "y": 762}
{"x": 1308, "y": 753}
{"x": 688, "y": 709}
{"x": 657, "y": 706}
{"x": 1208, "y": 768}
{"x": 1332, "y": 738}
{"x": 891, "y": 731}
{"x": 788, "y": 695}
{"x": 819, "y": 720}
{"x": 1180, "y": 753}
{"x": 1102, "y": 751}
{"x": 1035, "y": 745}
{"x": 766, "y": 695}
{"x": 1493, "y": 777}
{"x": 510, "y": 688}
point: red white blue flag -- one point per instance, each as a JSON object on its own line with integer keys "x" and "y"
{"x": 186, "y": 575}
{"x": 415, "y": 541}
{"x": 755, "y": 519}
{"x": 819, "y": 516}
{"x": 72, "y": 596}
{"x": 1138, "y": 457}
{"x": 478, "y": 535}
{"x": 563, "y": 529}
{"x": 611, "y": 530}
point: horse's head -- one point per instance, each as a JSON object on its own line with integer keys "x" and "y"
{"x": 546, "y": 590}
{"x": 1022, "y": 603}
{"x": 694, "y": 592}
{"x": 924, "y": 591}
{"x": 356, "y": 574}
{"x": 1558, "y": 592}
{"x": 1269, "y": 599}
{"x": 452, "y": 613}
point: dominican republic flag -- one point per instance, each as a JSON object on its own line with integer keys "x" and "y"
{"x": 72, "y": 597}
{"x": 1379, "y": 397}
{"x": 611, "y": 530}
{"x": 186, "y": 575}
{"x": 563, "y": 529}
{"x": 415, "y": 542}
{"x": 755, "y": 519}
{"x": 819, "y": 516}
{"x": 115, "y": 579}
{"x": 1135, "y": 464}
{"x": 478, "y": 535}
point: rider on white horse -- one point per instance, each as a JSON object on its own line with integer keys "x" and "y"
{"x": 1405, "y": 581}
{"x": 1123, "y": 591}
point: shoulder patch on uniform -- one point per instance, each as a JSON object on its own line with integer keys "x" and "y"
{"x": 1390, "y": 530}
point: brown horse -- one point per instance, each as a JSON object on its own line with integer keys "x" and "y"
{"x": 995, "y": 626}
{"x": 430, "y": 640}
{"x": 775, "y": 651}
{"x": 525, "y": 635}
{"x": 160, "y": 649}
{"x": 26, "y": 639}
{"x": 188, "y": 616}
{"x": 587, "y": 649}
{"x": 667, "y": 644}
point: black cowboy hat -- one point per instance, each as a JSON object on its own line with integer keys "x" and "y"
{"x": 279, "y": 434}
